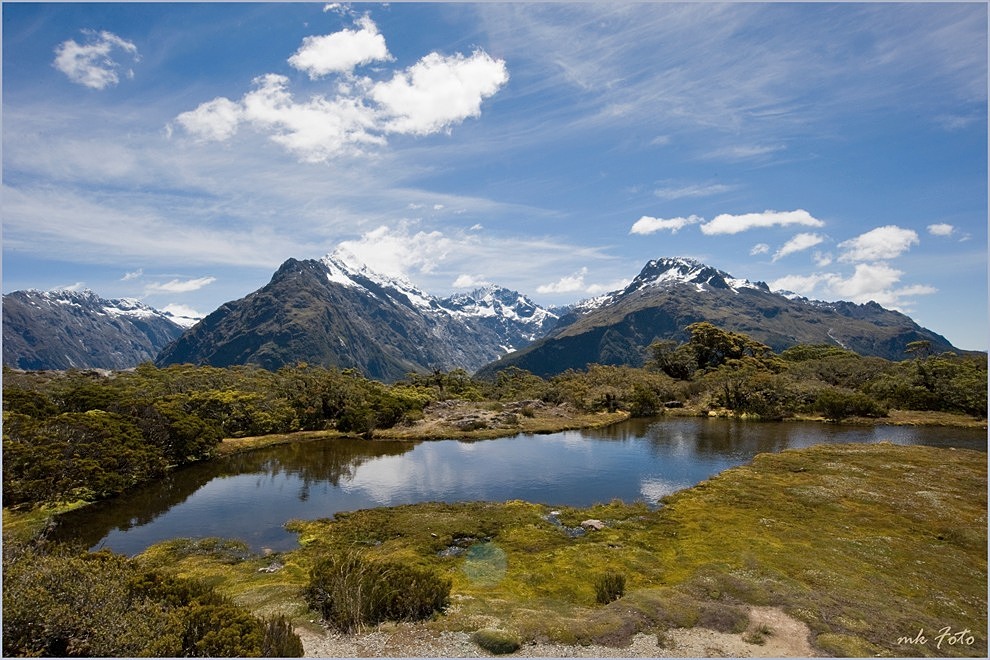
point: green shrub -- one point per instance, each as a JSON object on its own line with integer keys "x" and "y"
{"x": 350, "y": 591}
{"x": 497, "y": 642}
{"x": 280, "y": 641}
{"x": 609, "y": 586}
{"x": 836, "y": 405}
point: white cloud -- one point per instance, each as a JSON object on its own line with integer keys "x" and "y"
{"x": 184, "y": 312}
{"x": 342, "y": 51}
{"x": 316, "y": 129}
{"x": 884, "y": 242}
{"x": 431, "y": 96}
{"x": 77, "y": 286}
{"x": 869, "y": 282}
{"x": 398, "y": 252}
{"x": 695, "y": 190}
{"x": 759, "y": 248}
{"x": 733, "y": 224}
{"x": 465, "y": 281}
{"x": 941, "y": 229}
{"x": 647, "y": 225}
{"x": 438, "y": 92}
{"x": 214, "y": 120}
{"x": 822, "y": 259}
{"x": 566, "y": 284}
{"x": 180, "y": 286}
{"x": 798, "y": 243}
{"x": 743, "y": 152}
{"x": 132, "y": 275}
{"x": 91, "y": 64}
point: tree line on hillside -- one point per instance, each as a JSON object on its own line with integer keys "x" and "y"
{"x": 87, "y": 435}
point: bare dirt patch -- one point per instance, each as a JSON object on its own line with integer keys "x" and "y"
{"x": 784, "y": 637}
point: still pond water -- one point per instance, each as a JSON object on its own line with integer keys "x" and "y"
{"x": 250, "y": 496}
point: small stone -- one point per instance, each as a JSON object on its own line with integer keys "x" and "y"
{"x": 594, "y": 524}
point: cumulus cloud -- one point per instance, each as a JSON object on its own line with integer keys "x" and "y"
{"x": 798, "y": 243}
{"x": 181, "y": 311}
{"x": 214, "y": 120}
{"x": 575, "y": 283}
{"x": 877, "y": 282}
{"x": 133, "y": 275}
{"x": 180, "y": 286}
{"x": 92, "y": 63}
{"x": 877, "y": 244}
{"x": 465, "y": 281}
{"x": 647, "y": 225}
{"x": 431, "y": 96}
{"x": 438, "y": 92}
{"x": 733, "y": 224}
{"x": 566, "y": 284}
{"x": 315, "y": 129}
{"x": 759, "y": 248}
{"x": 941, "y": 229}
{"x": 342, "y": 51}
{"x": 397, "y": 252}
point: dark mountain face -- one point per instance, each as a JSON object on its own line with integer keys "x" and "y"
{"x": 332, "y": 314}
{"x": 66, "y": 329}
{"x": 670, "y": 294}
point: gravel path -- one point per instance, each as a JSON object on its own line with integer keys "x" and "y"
{"x": 789, "y": 639}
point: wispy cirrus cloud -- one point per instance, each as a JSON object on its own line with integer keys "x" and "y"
{"x": 673, "y": 191}
{"x": 180, "y": 286}
{"x": 92, "y": 63}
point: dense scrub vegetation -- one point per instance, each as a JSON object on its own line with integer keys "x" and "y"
{"x": 86, "y": 435}
{"x": 65, "y": 604}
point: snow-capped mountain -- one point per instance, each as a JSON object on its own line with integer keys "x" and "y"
{"x": 336, "y": 311}
{"x": 669, "y": 272}
{"x": 79, "y": 329}
{"x": 670, "y": 294}
{"x": 510, "y": 314}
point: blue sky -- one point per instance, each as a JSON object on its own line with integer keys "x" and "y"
{"x": 178, "y": 153}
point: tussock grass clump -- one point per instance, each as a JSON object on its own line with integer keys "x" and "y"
{"x": 350, "y": 591}
{"x": 498, "y": 642}
{"x": 758, "y": 635}
{"x": 609, "y": 586}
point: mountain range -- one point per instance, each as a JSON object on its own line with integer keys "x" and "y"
{"x": 78, "y": 329}
{"x": 337, "y": 312}
{"x": 672, "y": 293}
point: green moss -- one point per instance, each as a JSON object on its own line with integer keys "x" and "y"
{"x": 497, "y": 642}
{"x": 864, "y": 543}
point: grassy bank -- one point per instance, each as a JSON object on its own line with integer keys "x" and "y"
{"x": 867, "y": 544}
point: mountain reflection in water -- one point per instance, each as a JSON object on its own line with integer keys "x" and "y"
{"x": 250, "y": 496}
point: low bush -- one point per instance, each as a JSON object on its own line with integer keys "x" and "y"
{"x": 497, "y": 642}
{"x": 836, "y": 405}
{"x": 609, "y": 586}
{"x": 350, "y": 591}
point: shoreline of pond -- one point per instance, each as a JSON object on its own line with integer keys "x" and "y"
{"x": 30, "y": 522}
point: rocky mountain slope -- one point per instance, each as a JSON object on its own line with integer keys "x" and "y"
{"x": 337, "y": 312}
{"x": 69, "y": 329}
{"x": 672, "y": 293}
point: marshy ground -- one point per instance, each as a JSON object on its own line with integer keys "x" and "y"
{"x": 846, "y": 550}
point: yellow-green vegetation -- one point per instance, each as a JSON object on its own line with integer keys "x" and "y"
{"x": 867, "y": 544}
